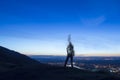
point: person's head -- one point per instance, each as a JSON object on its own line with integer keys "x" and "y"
{"x": 70, "y": 45}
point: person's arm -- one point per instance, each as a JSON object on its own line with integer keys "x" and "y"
{"x": 67, "y": 50}
{"x": 73, "y": 53}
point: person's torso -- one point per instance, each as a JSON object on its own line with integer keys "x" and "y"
{"x": 70, "y": 51}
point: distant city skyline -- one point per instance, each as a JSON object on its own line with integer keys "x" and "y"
{"x": 41, "y": 27}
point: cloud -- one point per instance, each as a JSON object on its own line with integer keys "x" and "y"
{"x": 93, "y": 21}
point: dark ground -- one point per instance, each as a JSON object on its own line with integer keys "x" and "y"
{"x": 47, "y": 72}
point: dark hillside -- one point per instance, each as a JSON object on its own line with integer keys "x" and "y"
{"x": 11, "y": 59}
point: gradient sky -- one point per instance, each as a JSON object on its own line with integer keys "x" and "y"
{"x": 41, "y": 27}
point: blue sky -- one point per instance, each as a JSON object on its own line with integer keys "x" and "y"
{"x": 41, "y": 27}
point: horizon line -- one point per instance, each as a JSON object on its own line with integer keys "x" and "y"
{"x": 74, "y": 56}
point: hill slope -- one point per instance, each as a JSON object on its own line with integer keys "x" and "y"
{"x": 12, "y": 59}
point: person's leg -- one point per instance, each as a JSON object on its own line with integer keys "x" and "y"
{"x": 71, "y": 61}
{"x": 66, "y": 61}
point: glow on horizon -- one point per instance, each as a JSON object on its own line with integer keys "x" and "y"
{"x": 85, "y": 45}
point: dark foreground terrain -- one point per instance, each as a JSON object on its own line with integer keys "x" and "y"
{"x": 15, "y": 66}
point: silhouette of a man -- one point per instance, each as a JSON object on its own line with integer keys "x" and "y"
{"x": 70, "y": 52}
